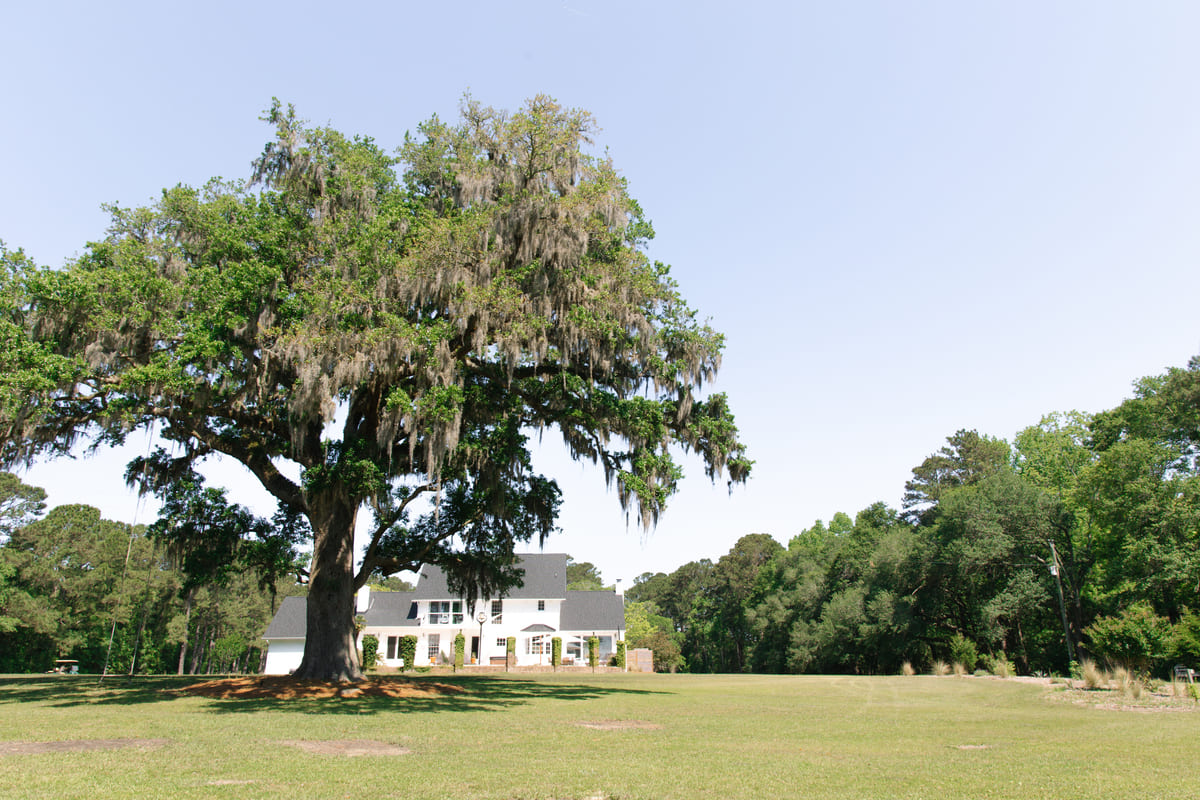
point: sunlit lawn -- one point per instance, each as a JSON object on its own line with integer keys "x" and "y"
{"x": 665, "y": 737}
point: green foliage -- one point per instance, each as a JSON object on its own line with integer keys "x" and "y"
{"x": 962, "y": 651}
{"x": 408, "y": 651}
{"x": 510, "y": 651}
{"x": 619, "y": 659}
{"x": 556, "y": 651}
{"x": 583, "y": 576}
{"x": 1137, "y": 638}
{"x": 370, "y": 650}
{"x": 460, "y": 644}
{"x": 593, "y": 651}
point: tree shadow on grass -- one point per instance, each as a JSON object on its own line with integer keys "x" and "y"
{"x": 463, "y": 693}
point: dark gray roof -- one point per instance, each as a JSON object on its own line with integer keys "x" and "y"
{"x": 537, "y": 627}
{"x": 386, "y": 609}
{"x": 391, "y": 609}
{"x": 586, "y": 611}
{"x": 545, "y": 578}
{"x": 290, "y": 620}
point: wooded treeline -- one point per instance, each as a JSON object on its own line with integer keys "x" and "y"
{"x": 76, "y": 586}
{"x": 969, "y": 569}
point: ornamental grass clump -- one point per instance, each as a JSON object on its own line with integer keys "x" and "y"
{"x": 1093, "y": 677}
{"x": 940, "y": 668}
{"x": 907, "y": 669}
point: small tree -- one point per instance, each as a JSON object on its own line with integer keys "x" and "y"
{"x": 593, "y": 651}
{"x": 962, "y": 651}
{"x": 460, "y": 646}
{"x": 408, "y": 651}
{"x": 370, "y": 651}
{"x": 620, "y": 659}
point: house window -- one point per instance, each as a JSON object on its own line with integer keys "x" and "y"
{"x": 497, "y": 611}
{"x": 435, "y": 646}
{"x": 445, "y": 612}
{"x": 537, "y": 645}
{"x": 502, "y": 643}
{"x": 391, "y": 647}
{"x": 541, "y": 605}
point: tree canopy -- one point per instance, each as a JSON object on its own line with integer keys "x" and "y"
{"x": 366, "y": 330}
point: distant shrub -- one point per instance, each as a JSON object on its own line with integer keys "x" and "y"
{"x": 1137, "y": 638}
{"x": 962, "y": 651}
{"x": 940, "y": 668}
{"x": 907, "y": 669}
{"x": 959, "y": 669}
{"x": 370, "y": 651}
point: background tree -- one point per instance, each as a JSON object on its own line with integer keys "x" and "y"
{"x": 583, "y": 576}
{"x": 967, "y": 457}
{"x": 390, "y": 328}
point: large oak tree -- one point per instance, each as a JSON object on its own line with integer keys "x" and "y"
{"x": 369, "y": 331}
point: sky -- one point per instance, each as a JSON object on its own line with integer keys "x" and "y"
{"x": 906, "y": 218}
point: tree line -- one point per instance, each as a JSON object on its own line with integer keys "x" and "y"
{"x": 133, "y": 598}
{"x": 1078, "y": 539}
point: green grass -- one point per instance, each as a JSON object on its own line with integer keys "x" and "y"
{"x": 509, "y": 737}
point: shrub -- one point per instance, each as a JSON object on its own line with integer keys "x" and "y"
{"x": 370, "y": 651}
{"x": 1136, "y": 639}
{"x": 593, "y": 651}
{"x": 907, "y": 669}
{"x": 959, "y": 669}
{"x": 939, "y": 668}
{"x": 962, "y": 651}
{"x": 460, "y": 646}
{"x": 408, "y": 651}
{"x": 1002, "y": 667}
{"x": 556, "y": 652}
{"x": 620, "y": 658}
{"x": 510, "y": 654}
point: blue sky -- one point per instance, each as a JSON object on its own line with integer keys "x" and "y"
{"x": 907, "y": 218}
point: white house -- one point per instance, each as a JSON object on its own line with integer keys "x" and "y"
{"x": 533, "y": 614}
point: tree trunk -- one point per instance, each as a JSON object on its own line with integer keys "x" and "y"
{"x": 329, "y": 651}
{"x": 187, "y": 621}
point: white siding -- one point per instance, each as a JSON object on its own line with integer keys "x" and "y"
{"x": 283, "y": 656}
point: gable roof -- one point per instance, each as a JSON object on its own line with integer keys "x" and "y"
{"x": 290, "y": 620}
{"x": 586, "y": 611}
{"x": 545, "y": 578}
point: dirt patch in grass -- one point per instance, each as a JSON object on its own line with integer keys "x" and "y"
{"x": 348, "y": 747}
{"x": 77, "y": 746}
{"x": 619, "y": 725}
{"x": 1149, "y": 702}
{"x": 274, "y": 687}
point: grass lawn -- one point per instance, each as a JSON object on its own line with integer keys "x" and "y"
{"x": 646, "y": 736}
